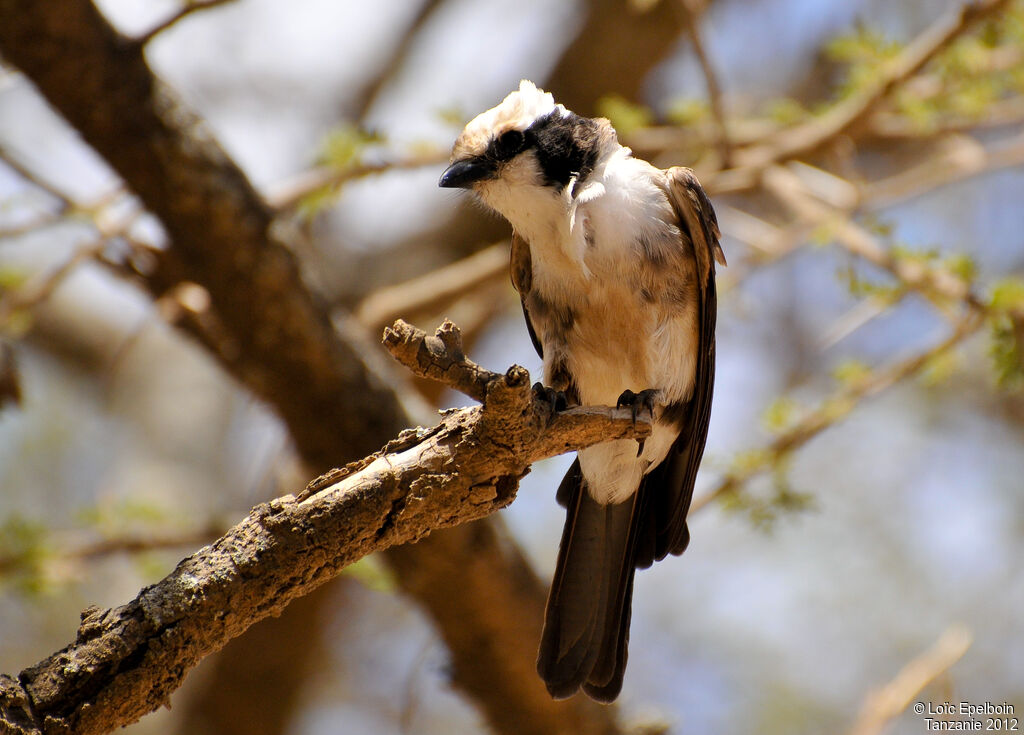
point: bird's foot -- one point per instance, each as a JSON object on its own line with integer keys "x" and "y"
{"x": 555, "y": 399}
{"x": 637, "y": 402}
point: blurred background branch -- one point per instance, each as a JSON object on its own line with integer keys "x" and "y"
{"x": 888, "y": 702}
{"x": 866, "y": 187}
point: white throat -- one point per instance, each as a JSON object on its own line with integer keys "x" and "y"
{"x": 552, "y": 220}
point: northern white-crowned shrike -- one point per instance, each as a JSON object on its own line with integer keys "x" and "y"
{"x": 614, "y": 261}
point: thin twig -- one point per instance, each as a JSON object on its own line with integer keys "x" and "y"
{"x": 66, "y": 205}
{"x": 189, "y": 9}
{"x": 956, "y": 164}
{"x": 33, "y": 225}
{"x": 367, "y": 95}
{"x": 804, "y": 138}
{"x": 71, "y": 547}
{"x": 930, "y": 280}
{"x": 863, "y": 312}
{"x": 882, "y": 126}
{"x": 886, "y": 125}
{"x": 431, "y": 291}
{"x": 722, "y": 139}
{"x": 289, "y": 195}
{"x": 961, "y": 157}
{"x": 42, "y": 287}
{"x": 12, "y": 162}
{"x": 887, "y": 703}
{"x": 832, "y": 410}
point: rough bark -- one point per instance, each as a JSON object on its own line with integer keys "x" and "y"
{"x": 256, "y": 682}
{"x": 216, "y": 222}
{"x": 272, "y": 335}
{"x": 126, "y": 661}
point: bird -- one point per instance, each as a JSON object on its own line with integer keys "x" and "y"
{"x": 614, "y": 262}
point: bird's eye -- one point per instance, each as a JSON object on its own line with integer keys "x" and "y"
{"x": 508, "y": 144}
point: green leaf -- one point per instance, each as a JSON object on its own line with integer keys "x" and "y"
{"x": 1007, "y": 352}
{"x": 876, "y": 225}
{"x": 862, "y": 288}
{"x": 1007, "y": 294}
{"x": 624, "y": 115}
{"x": 787, "y": 111}
{"x": 862, "y": 46}
{"x": 344, "y": 146}
{"x": 961, "y": 265}
{"x": 117, "y": 516}
{"x": 780, "y": 414}
{"x": 688, "y": 111}
{"x": 454, "y": 116}
{"x": 862, "y": 52}
{"x": 751, "y": 460}
{"x": 921, "y": 256}
{"x": 922, "y": 114}
{"x": 973, "y": 99}
{"x": 19, "y": 323}
{"x": 850, "y": 373}
{"x": 940, "y": 368}
{"x": 23, "y": 554}
{"x": 315, "y": 202}
{"x": 825, "y": 231}
{"x": 12, "y": 278}
{"x": 372, "y": 573}
{"x": 763, "y": 511}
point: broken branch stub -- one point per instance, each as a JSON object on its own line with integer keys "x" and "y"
{"x": 126, "y": 661}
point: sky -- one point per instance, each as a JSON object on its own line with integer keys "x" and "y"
{"x": 915, "y": 524}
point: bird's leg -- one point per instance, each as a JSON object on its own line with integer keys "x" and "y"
{"x": 637, "y": 402}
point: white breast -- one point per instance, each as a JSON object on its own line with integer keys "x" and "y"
{"x": 591, "y": 254}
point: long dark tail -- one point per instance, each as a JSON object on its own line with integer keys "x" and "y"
{"x": 586, "y": 624}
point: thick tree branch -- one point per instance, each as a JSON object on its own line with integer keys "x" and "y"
{"x": 271, "y": 333}
{"x": 217, "y": 224}
{"x": 125, "y": 662}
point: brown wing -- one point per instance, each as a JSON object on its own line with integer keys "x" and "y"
{"x": 668, "y": 489}
{"x": 586, "y": 622}
{"x": 521, "y": 269}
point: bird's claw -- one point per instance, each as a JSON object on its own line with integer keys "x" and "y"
{"x": 636, "y": 402}
{"x": 555, "y": 399}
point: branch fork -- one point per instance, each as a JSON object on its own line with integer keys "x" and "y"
{"x": 126, "y": 661}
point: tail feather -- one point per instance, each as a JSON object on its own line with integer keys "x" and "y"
{"x": 586, "y": 626}
{"x": 605, "y": 681}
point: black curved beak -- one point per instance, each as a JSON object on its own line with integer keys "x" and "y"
{"x": 463, "y": 174}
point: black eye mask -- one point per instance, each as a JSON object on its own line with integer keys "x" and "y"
{"x": 507, "y": 145}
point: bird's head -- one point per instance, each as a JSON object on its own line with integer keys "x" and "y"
{"x": 526, "y": 150}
